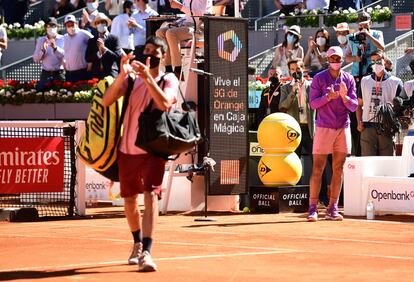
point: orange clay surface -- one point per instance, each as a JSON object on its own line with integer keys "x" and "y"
{"x": 236, "y": 247}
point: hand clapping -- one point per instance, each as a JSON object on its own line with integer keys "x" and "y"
{"x": 332, "y": 94}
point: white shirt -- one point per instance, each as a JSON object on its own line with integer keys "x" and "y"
{"x": 3, "y": 35}
{"x": 120, "y": 29}
{"x": 116, "y": 7}
{"x": 375, "y": 93}
{"x": 75, "y": 49}
{"x": 199, "y": 7}
{"x": 51, "y": 60}
{"x": 409, "y": 87}
{"x": 140, "y": 31}
{"x": 317, "y": 4}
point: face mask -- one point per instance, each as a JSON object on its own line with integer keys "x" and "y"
{"x": 71, "y": 30}
{"x": 342, "y": 39}
{"x": 51, "y": 31}
{"x": 101, "y": 28}
{"x": 92, "y": 6}
{"x": 290, "y": 38}
{"x": 321, "y": 41}
{"x": 335, "y": 66}
{"x": 154, "y": 61}
{"x": 378, "y": 69}
{"x": 297, "y": 75}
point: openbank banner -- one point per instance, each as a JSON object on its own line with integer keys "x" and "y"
{"x": 30, "y": 165}
{"x": 392, "y": 196}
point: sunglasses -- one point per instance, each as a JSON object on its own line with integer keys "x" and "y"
{"x": 379, "y": 62}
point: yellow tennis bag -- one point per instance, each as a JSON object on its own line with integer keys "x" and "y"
{"x": 98, "y": 145}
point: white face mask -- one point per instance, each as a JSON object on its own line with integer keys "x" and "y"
{"x": 51, "y": 31}
{"x": 72, "y": 30}
{"x": 92, "y": 6}
{"x": 342, "y": 39}
{"x": 378, "y": 69}
{"x": 321, "y": 41}
{"x": 101, "y": 28}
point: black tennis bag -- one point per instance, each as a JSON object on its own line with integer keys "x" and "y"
{"x": 167, "y": 133}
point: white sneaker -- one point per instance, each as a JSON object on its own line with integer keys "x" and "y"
{"x": 145, "y": 263}
{"x": 135, "y": 253}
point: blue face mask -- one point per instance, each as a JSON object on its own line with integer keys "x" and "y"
{"x": 290, "y": 38}
{"x": 92, "y": 6}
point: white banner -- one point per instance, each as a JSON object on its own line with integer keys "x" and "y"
{"x": 392, "y": 194}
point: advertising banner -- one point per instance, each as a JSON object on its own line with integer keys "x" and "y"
{"x": 227, "y": 105}
{"x": 30, "y": 165}
{"x": 392, "y": 194}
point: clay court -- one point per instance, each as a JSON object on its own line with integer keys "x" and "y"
{"x": 236, "y": 247}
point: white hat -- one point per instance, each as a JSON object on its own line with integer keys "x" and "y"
{"x": 294, "y": 29}
{"x": 342, "y": 27}
{"x": 70, "y": 18}
{"x": 335, "y": 50}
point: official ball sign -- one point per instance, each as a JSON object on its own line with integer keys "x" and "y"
{"x": 31, "y": 165}
{"x": 227, "y": 102}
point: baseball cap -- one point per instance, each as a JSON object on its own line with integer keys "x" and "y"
{"x": 342, "y": 27}
{"x": 51, "y": 21}
{"x": 70, "y": 18}
{"x": 364, "y": 18}
{"x": 335, "y": 50}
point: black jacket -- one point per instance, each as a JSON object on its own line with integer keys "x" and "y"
{"x": 108, "y": 64}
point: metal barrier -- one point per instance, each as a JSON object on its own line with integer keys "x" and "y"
{"x": 35, "y": 13}
{"x": 262, "y": 61}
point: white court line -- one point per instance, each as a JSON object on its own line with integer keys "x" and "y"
{"x": 124, "y": 263}
{"x": 350, "y": 240}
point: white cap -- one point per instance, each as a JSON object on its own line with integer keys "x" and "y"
{"x": 335, "y": 50}
{"x": 70, "y": 18}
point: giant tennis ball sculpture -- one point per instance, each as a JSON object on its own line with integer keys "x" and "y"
{"x": 279, "y": 169}
{"x": 279, "y": 133}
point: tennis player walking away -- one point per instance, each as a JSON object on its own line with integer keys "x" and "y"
{"x": 333, "y": 95}
{"x": 140, "y": 172}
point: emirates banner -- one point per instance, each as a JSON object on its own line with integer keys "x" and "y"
{"x": 30, "y": 165}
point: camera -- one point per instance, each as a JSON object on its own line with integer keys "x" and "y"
{"x": 358, "y": 37}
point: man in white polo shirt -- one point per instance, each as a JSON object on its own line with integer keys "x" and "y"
{"x": 75, "y": 43}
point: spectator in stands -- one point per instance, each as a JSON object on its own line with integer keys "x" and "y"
{"x": 75, "y": 44}
{"x": 49, "y": 51}
{"x": 376, "y": 90}
{"x": 114, "y": 7}
{"x": 333, "y": 95}
{"x": 361, "y": 45}
{"x": 3, "y": 40}
{"x": 289, "y": 49}
{"x": 289, "y": 6}
{"x": 388, "y": 64}
{"x": 317, "y": 4}
{"x": 181, "y": 30}
{"x": 63, "y": 7}
{"x": 269, "y": 99}
{"x": 342, "y": 31}
{"x": 120, "y": 28}
{"x": 345, "y": 4}
{"x": 88, "y": 16}
{"x": 294, "y": 100}
{"x": 103, "y": 51}
{"x": 139, "y": 171}
{"x": 315, "y": 57}
{"x": 138, "y": 25}
{"x": 409, "y": 50}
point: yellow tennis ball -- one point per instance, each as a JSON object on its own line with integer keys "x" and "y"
{"x": 279, "y": 133}
{"x": 279, "y": 169}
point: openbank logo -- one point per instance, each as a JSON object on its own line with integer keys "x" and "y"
{"x": 237, "y": 46}
{"x": 404, "y": 196}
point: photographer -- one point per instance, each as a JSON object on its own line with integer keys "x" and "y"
{"x": 377, "y": 90}
{"x": 361, "y": 45}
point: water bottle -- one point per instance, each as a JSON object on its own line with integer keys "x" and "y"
{"x": 370, "y": 210}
